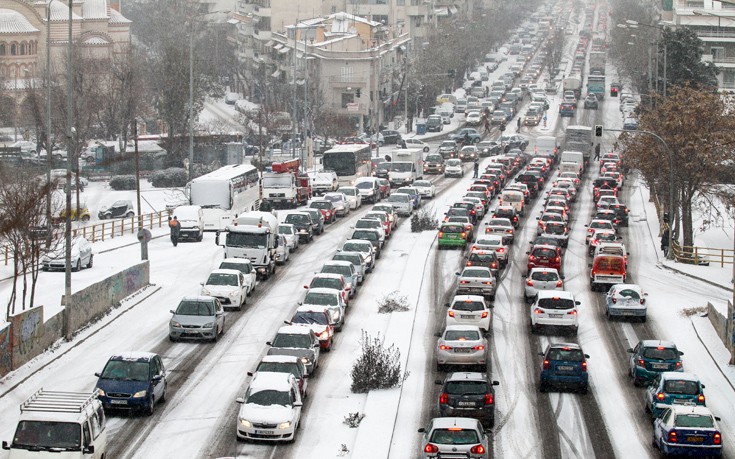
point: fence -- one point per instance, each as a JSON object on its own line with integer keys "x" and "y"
{"x": 103, "y": 230}
{"x": 702, "y": 255}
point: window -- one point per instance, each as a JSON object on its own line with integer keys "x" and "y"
{"x": 13, "y": 49}
{"x": 346, "y": 73}
{"x": 717, "y": 52}
{"x": 2, "y": 49}
{"x": 728, "y": 79}
{"x": 347, "y": 98}
{"x": 86, "y": 434}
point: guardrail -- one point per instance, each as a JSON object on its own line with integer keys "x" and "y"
{"x": 100, "y": 231}
{"x": 702, "y": 255}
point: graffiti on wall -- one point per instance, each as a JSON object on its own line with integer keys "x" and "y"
{"x": 28, "y": 329}
{"x": 6, "y": 356}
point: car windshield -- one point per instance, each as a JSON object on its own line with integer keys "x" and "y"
{"x": 454, "y": 437}
{"x": 610, "y": 264}
{"x": 354, "y": 259}
{"x": 481, "y": 273}
{"x": 301, "y": 341}
{"x": 458, "y": 219}
{"x": 489, "y": 242}
{"x": 629, "y": 293}
{"x": 466, "y": 387}
{"x": 283, "y": 229}
{"x": 367, "y": 235}
{"x": 402, "y": 167}
{"x": 235, "y": 239}
{"x": 195, "y": 308}
{"x": 128, "y": 370}
{"x": 555, "y": 229}
{"x": 694, "y": 420}
{"x": 322, "y": 299}
{"x": 269, "y": 397}
{"x": 320, "y": 205}
{"x": 422, "y": 183}
{"x": 280, "y": 367}
{"x": 334, "y": 198}
{"x": 544, "y": 253}
{"x": 601, "y": 225}
{"x": 482, "y": 257}
{"x": 368, "y": 224}
{"x": 49, "y": 435}
{"x": 681, "y": 386}
{"x": 452, "y": 229}
{"x": 461, "y": 335}
{"x": 556, "y": 303}
{"x": 660, "y": 353}
{"x": 326, "y": 282}
{"x": 309, "y": 317}
{"x": 454, "y": 162}
{"x": 337, "y": 269}
{"x": 364, "y": 185}
{"x": 468, "y": 305}
{"x": 566, "y": 354}
{"x": 245, "y": 268}
{"x": 545, "y": 276}
{"x": 356, "y": 247}
{"x": 222, "y": 279}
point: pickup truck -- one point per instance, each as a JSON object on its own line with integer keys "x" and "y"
{"x": 323, "y": 182}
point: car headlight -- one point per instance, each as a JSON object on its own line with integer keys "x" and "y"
{"x": 205, "y": 291}
{"x": 175, "y": 324}
{"x": 209, "y": 325}
{"x": 102, "y": 393}
{"x": 245, "y": 423}
{"x": 233, "y": 294}
{"x": 140, "y": 394}
{"x": 284, "y": 425}
{"x": 324, "y": 334}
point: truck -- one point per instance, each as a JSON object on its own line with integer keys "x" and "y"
{"x": 407, "y": 165}
{"x": 574, "y": 157}
{"x": 285, "y": 186}
{"x": 254, "y": 236}
{"x": 323, "y": 181}
{"x": 596, "y": 86}
{"x": 579, "y": 138}
{"x": 597, "y": 62}
{"x": 546, "y": 145}
{"x": 573, "y": 83}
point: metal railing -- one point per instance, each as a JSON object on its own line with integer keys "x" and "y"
{"x": 101, "y": 231}
{"x": 702, "y": 255}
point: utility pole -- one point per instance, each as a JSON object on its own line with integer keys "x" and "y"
{"x": 68, "y": 332}
{"x": 48, "y": 125}
{"x": 142, "y": 236}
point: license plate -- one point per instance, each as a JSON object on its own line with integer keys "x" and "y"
{"x": 466, "y": 404}
{"x": 462, "y": 349}
{"x": 119, "y": 402}
{"x": 466, "y": 317}
{"x": 660, "y": 366}
{"x": 555, "y": 316}
{"x": 681, "y": 401}
{"x": 565, "y": 368}
{"x": 264, "y": 432}
{"x": 696, "y": 439}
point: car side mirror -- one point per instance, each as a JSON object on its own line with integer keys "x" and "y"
{"x": 562, "y": 277}
{"x": 89, "y": 449}
{"x": 6, "y": 445}
{"x": 703, "y": 386}
{"x": 542, "y": 354}
{"x": 240, "y": 400}
{"x": 268, "y": 343}
{"x": 681, "y": 353}
{"x": 528, "y": 253}
{"x": 99, "y": 375}
{"x": 438, "y": 382}
{"x": 438, "y": 335}
{"x": 629, "y": 350}
{"x": 172, "y": 311}
{"x": 577, "y": 303}
{"x": 446, "y": 305}
{"x": 586, "y": 356}
{"x": 421, "y": 430}
{"x": 495, "y": 383}
{"x": 717, "y": 418}
{"x": 201, "y": 283}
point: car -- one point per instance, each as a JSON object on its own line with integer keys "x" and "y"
{"x": 413, "y": 192}
{"x": 463, "y": 345}
{"x": 425, "y": 188}
{"x": 477, "y": 280}
{"x": 319, "y": 320}
{"x": 297, "y": 341}
{"x": 391, "y": 137}
{"x": 391, "y": 211}
{"x": 119, "y": 209}
{"x": 651, "y": 357}
{"x": 434, "y": 123}
{"x": 555, "y": 308}
{"x": 416, "y": 143}
{"x": 369, "y": 189}
{"x": 385, "y": 219}
{"x": 403, "y": 203}
{"x": 464, "y": 220}
{"x": 354, "y": 199}
{"x": 488, "y": 148}
{"x": 469, "y": 310}
{"x": 508, "y": 212}
{"x": 473, "y": 118}
{"x": 601, "y": 236}
{"x": 673, "y": 388}
{"x": 532, "y": 117}
{"x": 564, "y": 365}
{"x": 373, "y": 139}
{"x": 132, "y": 381}
{"x": 453, "y": 168}
{"x": 484, "y": 258}
{"x": 448, "y": 149}
{"x": 567, "y": 109}
{"x": 591, "y": 101}
{"x": 327, "y": 208}
{"x": 291, "y": 235}
{"x": 598, "y": 224}
{"x": 228, "y": 286}
{"x": 498, "y": 117}
{"x": 542, "y": 279}
{"x": 301, "y": 222}
{"x": 434, "y": 164}
{"x": 270, "y": 409}
{"x": 364, "y": 247}
{"x": 383, "y": 188}
{"x": 197, "y": 317}
{"x": 245, "y": 266}
{"x": 82, "y": 255}
{"x": 468, "y": 394}
{"x": 339, "y": 200}
{"x": 504, "y": 226}
{"x": 358, "y": 260}
{"x": 493, "y": 242}
{"x": 626, "y": 300}
{"x": 452, "y": 235}
{"x": 288, "y": 364}
{"x": 477, "y": 202}
{"x": 558, "y": 230}
{"x": 373, "y": 224}
{"x": 511, "y": 141}
{"x": 687, "y": 430}
{"x": 630, "y": 124}
{"x": 468, "y": 153}
{"x": 328, "y": 281}
{"x": 346, "y": 269}
{"x": 450, "y": 436}
{"x": 317, "y": 219}
{"x": 466, "y": 133}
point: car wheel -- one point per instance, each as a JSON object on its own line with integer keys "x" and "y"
{"x": 583, "y": 389}
{"x": 78, "y": 265}
{"x": 163, "y": 395}
{"x": 129, "y": 215}
{"x": 150, "y": 409}
{"x": 171, "y": 338}
{"x": 91, "y": 261}
{"x": 85, "y": 218}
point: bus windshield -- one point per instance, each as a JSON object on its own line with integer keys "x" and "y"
{"x": 246, "y": 240}
{"x": 342, "y": 163}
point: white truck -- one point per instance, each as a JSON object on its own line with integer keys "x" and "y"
{"x": 407, "y": 166}
{"x": 253, "y": 236}
{"x": 323, "y": 181}
{"x": 574, "y": 157}
{"x": 579, "y": 138}
{"x": 285, "y": 186}
{"x": 546, "y": 145}
{"x": 191, "y": 219}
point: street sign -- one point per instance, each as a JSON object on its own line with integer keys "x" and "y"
{"x": 353, "y": 107}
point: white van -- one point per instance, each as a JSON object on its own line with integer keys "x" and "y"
{"x": 54, "y": 425}
{"x": 569, "y": 166}
{"x": 513, "y": 198}
{"x": 191, "y": 219}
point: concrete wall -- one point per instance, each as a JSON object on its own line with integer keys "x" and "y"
{"x": 6, "y": 354}
{"x": 27, "y": 333}
{"x": 719, "y": 322}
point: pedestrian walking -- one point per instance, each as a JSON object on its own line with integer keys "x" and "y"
{"x": 597, "y": 152}
{"x": 665, "y": 239}
{"x": 486, "y": 123}
{"x": 476, "y": 168}
{"x": 403, "y": 144}
{"x": 615, "y": 146}
{"x": 518, "y": 124}
{"x": 175, "y": 228}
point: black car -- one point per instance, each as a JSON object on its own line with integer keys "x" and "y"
{"x": 382, "y": 169}
{"x": 470, "y": 209}
{"x": 622, "y": 213}
{"x": 468, "y": 395}
{"x": 488, "y": 148}
{"x": 449, "y": 149}
{"x": 513, "y": 141}
{"x": 118, "y": 209}
{"x": 303, "y": 225}
{"x": 391, "y": 137}
{"x": 508, "y": 212}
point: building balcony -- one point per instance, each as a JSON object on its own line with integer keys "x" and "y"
{"x": 262, "y": 34}
{"x": 262, "y": 11}
{"x": 353, "y": 82}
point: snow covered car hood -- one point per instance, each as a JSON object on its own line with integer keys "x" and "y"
{"x": 218, "y": 290}
{"x": 271, "y": 414}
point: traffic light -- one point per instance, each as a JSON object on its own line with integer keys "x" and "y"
{"x": 598, "y": 130}
{"x": 613, "y": 92}
{"x": 358, "y": 92}
{"x": 451, "y": 73}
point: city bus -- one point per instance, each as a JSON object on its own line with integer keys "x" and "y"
{"x": 224, "y": 194}
{"x": 349, "y": 162}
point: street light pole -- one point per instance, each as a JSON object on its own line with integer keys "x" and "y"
{"x": 68, "y": 332}
{"x": 48, "y": 125}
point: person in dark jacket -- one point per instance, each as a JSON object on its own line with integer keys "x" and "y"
{"x": 665, "y": 242}
{"x": 175, "y": 228}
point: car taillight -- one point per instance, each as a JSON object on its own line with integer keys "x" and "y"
{"x": 444, "y": 398}
{"x": 538, "y": 311}
{"x": 444, "y": 347}
{"x": 678, "y": 364}
{"x": 559, "y": 283}
{"x": 469, "y": 263}
{"x": 614, "y": 300}
{"x": 488, "y": 283}
{"x": 700, "y": 398}
{"x": 431, "y": 448}
{"x": 584, "y": 366}
{"x": 441, "y": 234}
{"x": 489, "y": 399}
{"x": 643, "y": 301}
{"x": 673, "y": 437}
{"x": 477, "y": 449}
{"x": 641, "y": 363}
{"x": 573, "y": 312}
{"x": 494, "y": 265}
{"x": 451, "y": 313}
{"x": 546, "y": 364}
{"x": 479, "y": 347}
{"x": 464, "y": 235}
{"x": 500, "y": 250}
{"x": 557, "y": 259}
{"x": 463, "y": 282}
{"x": 529, "y": 282}
{"x": 484, "y": 314}
{"x": 660, "y": 396}
{"x": 717, "y": 438}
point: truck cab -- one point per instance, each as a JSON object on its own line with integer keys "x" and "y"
{"x": 406, "y": 167}
{"x": 253, "y": 236}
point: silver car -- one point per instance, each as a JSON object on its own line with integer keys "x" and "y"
{"x": 347, "y": 269}
{"x": 364, "y": 247}
{"x": 496, "y": 243}
{"x": 357, "y": 259}
{"x": 477, "y": 280}
{"x": 403, "y": 203}
{"x": 197, "y": 317}
{"x": 454, "y": 437}
{"x": 291, "y": 235}
{"x": 542, "y": 279}
{"x": 341, "y": 206}
{"x": 461, "y": 345}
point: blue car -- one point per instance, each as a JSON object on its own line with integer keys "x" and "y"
{"x": 689, "y": 430}
{"x": 673, "y": 388}
{"x": 133, "y": 381}
{"x": 564, "y": 365}
{"x": 651, "y": 357}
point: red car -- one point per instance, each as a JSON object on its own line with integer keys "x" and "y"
{"x": 326, "y": 208}
{"x": 544, "y": 256}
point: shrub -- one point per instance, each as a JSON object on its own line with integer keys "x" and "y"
{"x": 169, "y": 178}
{"x": 378, "y": 366}
{"x": 392, "y": 302}
{"x": 423, "y": 219}
{"x": 353, "y": 419}
{"x": 123, "y": 182}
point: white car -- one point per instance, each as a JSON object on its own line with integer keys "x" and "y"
{"x": 339, "y": 200}
{"x": 353, "y": 196}
{"x": 270, "y": 410}
{"x": 468, "y": 310}
{"x": 626, "y": 300}
{"x": 283, "y": 251}
{"x": 228, "y": 286}
{"x": 416, "y": 143}
{"x": 461, "y": 345}
{"x": 291, "y": 235}
{"x": 542, "y": 279}
{"x": 402, "y": 203}
{"x": 81, "y": 255}
{"x": 453, "y": 168}
{"x": 245, "y": 266}
{"x": 554, "y": 308}
{"x": 425, "y": 187}
{"x": 473, "y": 118}
{"x": 477, "y": 280}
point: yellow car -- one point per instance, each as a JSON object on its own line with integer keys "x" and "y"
{"x": 76, "y": 214}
